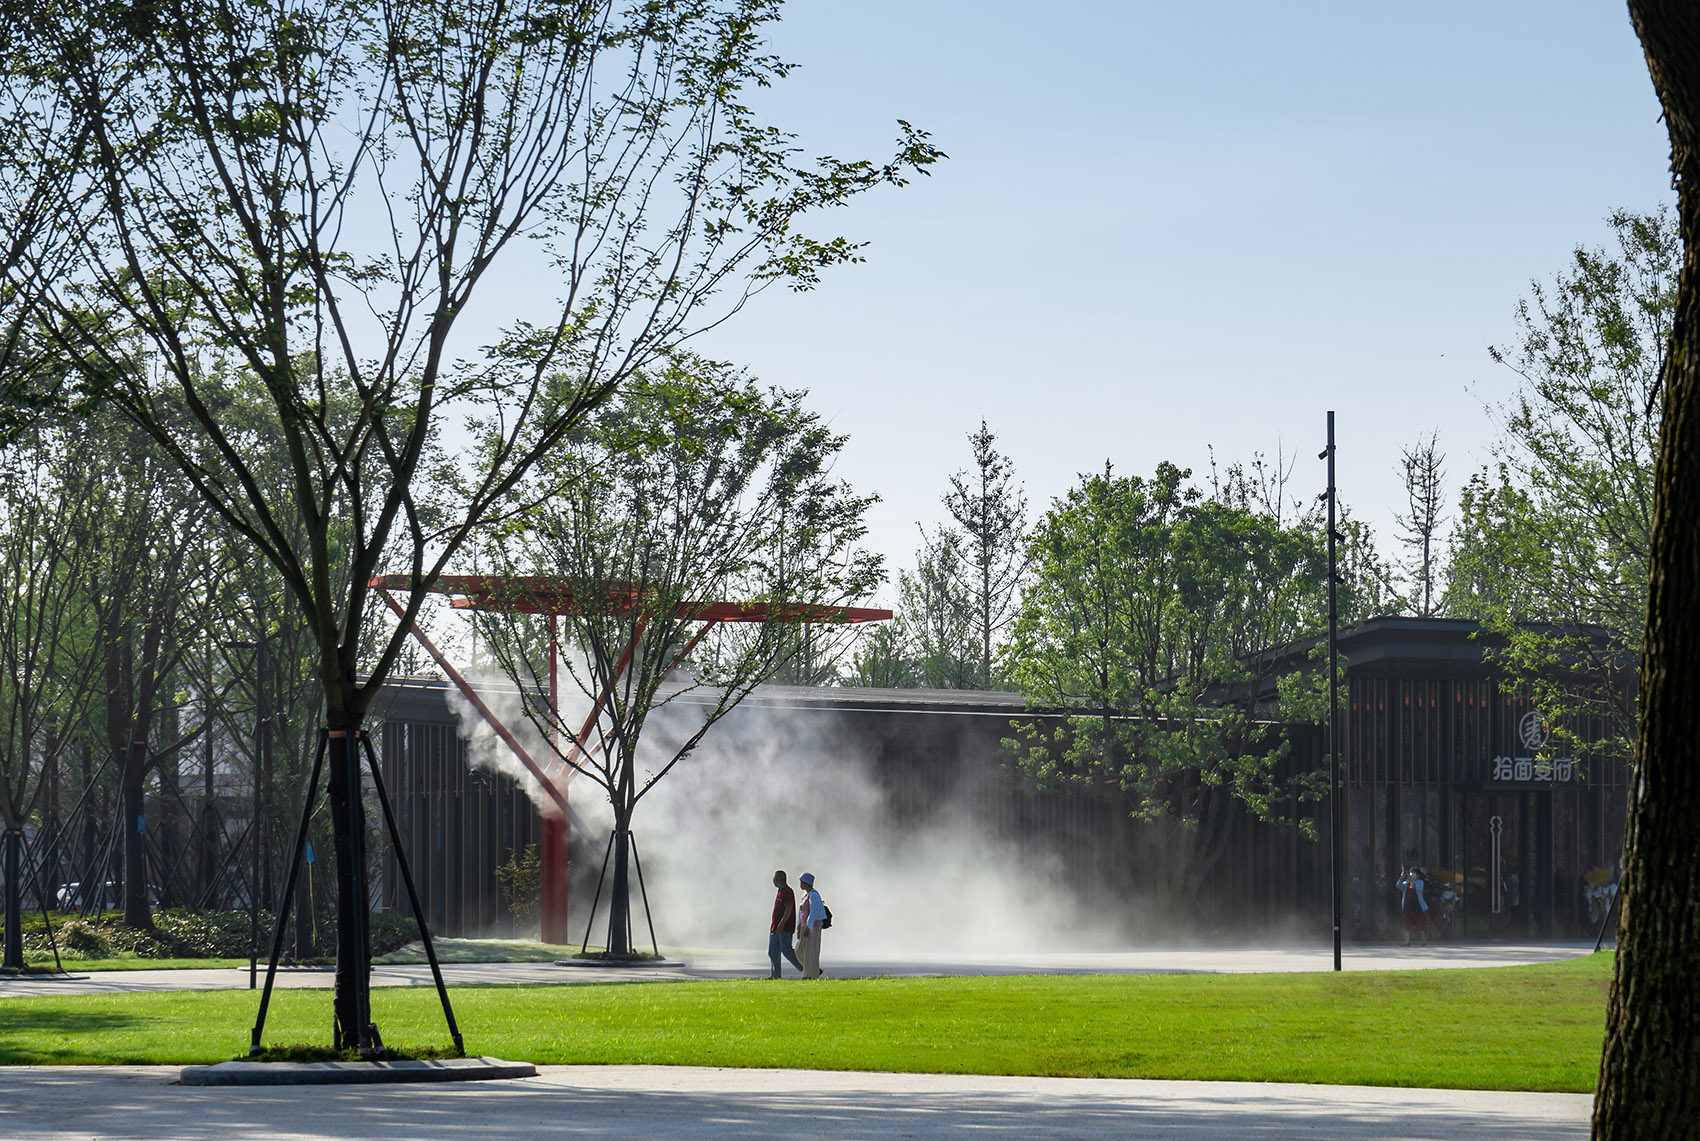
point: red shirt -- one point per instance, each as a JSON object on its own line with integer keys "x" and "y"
{"x": 784, "y": 911}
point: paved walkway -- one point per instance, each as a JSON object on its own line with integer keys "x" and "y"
{"x": 728, "y": 964}
{"x": 662, "y": 1101}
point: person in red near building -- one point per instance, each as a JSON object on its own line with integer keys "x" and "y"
{"x": 784, "y": 924}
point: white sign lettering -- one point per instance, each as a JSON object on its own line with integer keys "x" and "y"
{"x": 1533, "y": 770}
{"x": 1532, "y": 730}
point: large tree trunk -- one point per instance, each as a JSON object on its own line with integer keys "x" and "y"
{"x": 11, "y": 851}
{"x": 133, "y": 820}
{"x": 1650, "y": 1070}
{"x": 208, "y": 830}
{"x": 351, "y": 1008}
{"x": 620, "y": 891}
{"x": 143, "y": 686}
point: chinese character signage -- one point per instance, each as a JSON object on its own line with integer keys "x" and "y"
{"x": 1535, "y": 770}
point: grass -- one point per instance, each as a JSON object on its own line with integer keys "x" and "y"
{"x": 1513, "y": 1028}
{"x": 448, "y": 951}
{"x": 43, "y": 964}
{"x": 481, "y": 951}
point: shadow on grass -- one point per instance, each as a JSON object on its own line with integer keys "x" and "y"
{"x": 33, "y": 1030}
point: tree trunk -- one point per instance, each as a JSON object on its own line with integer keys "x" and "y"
{"x": 133, "y": 820}
{"x": 1650, "y": 1070}
{"x": 351, "y": 1018}
{"x": 170, "y": 826}
{"x": 620, "y": 892}
{"x": 11, "y": 848}
{"x": 208, "y": 831}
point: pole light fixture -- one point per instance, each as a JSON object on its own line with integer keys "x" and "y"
{"x": 1334, "y": 813}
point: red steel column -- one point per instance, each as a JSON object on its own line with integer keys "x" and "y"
{"x": 554, "y": 821}
{"x": 554, "y": 853}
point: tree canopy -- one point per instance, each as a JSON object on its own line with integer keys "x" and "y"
{"x": 1152, "y": 634}
{"x": 320, "y": 197}
{"x": 691, "y": 489}
{"x": 1551, "y": 547}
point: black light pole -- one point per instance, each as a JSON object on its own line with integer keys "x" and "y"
{"x": 1333, "y": 695}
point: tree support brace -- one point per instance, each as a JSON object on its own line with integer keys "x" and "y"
{"x": 282, "y": 919}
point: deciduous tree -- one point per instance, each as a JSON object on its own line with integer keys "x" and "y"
{"x": 1552, "y": 544}
{"x": 1649, "y": 1086}
{"x": 47, "y": 644}
{"x": 990, "y": 511}
{"x": 325, "y": 196}
{"x": 1148, "y": 623}
{"x": 935, "y": 615}
{"x": 692, "y": 487}
{"x": 1423, "y": 468}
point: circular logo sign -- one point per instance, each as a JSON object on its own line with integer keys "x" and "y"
{"x": 1533, "y": 730}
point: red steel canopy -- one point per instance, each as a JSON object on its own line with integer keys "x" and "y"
{"x": 551, "y": 594}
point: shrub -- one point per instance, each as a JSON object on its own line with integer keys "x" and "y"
{"x": 181, "y": 934}
{"x": 392, "y": 932}
{"x": 125, "y": 941}
{"x": 80, "y": 939}
{"x": 210, "y": 934}
{"x": 175, "y": 935}
{"x": 521, "y": 881}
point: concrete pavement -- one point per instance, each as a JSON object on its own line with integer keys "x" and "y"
{"x": 662, "y": 1101}
{"x": 753, "y": 964}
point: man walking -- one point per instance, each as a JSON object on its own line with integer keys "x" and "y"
{"x": 784, "y": 923}
{"x": 809, "y": 918}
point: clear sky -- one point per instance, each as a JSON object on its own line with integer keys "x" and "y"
{"x": 1168, "y": 227}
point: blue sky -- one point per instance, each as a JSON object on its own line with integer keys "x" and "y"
{"x": 1169, "y": 227}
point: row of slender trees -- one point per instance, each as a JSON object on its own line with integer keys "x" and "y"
{"x": 142, "y": 742}
{"x": 313, "y": 195}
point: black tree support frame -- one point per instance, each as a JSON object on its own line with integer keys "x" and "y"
{"x": 46, "y": 862}
{"x": 649, "y": 917}
{"x": 281, "y": 921}
{"x": 47, "y": 920}
{"x": 19, "y": 854}
{"x": 412, "y": 892}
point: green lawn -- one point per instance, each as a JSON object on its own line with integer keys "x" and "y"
{"x": 482, "y": 951}
{"x": 1520, "y": 1028}
{"x": 448, "y": 951}
{"x": 43, "y": 964}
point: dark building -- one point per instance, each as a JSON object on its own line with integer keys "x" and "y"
{"x": 459, "y": 823}
{"x": 1444, "y": 769}
{"x": 1449, "y": 767}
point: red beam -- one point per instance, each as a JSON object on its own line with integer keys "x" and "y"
{"x": 484, "y": 711}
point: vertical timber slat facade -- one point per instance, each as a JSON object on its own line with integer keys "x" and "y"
{"x": 1437, "y": 756}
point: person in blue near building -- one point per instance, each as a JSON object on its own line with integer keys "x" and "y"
{"x": 811, "y": 915}
{"x": 1413, "y": 908}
